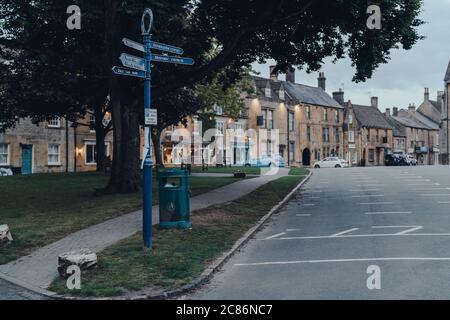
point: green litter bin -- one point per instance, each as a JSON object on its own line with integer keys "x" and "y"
{"x": 174, "y": 204}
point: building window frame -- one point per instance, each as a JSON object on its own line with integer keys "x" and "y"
{"x": 92, "y": 144}
{"x": 336, "y": 116}
{"x": 291, "y": 151}
{"x": 52, "y": 153}
{"x": 351, "y": 136}
{"x": 4, "y": 153}
{"x": 54, "y": 122}
{"x": 371, "y": 155}
{"x": 336, "y": 135}
{"x": 325, "y": 114}
{"x": 291, "y": 121}
{"x": 220, "y": 127}
{"x": 308, "y": 133}
{"x": 308, "y": 112}
{"x": 270, "y": 123}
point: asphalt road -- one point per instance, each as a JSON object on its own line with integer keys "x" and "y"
{"x": 9, "y": 291}
{"x": 342, "y": 224}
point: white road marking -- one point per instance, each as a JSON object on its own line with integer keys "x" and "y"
{"x": 421, "y": 184}
{"x": 314, "y": 197}
{"x": 408, "y": 230}
{"x": 374, "y": 235}
{"x": 303, "y": 215}
{"x": 365, "y": 190}
{"x": 371, "y": 185}
{"x": 275, "y": 235}
{"x": 389, "y": 212}
{"x": 368, "y": 195}
{"x": 374, "y": 203}
{"x": 267, "y": 263}
{"x": 417, "y": 180}
{"x": 444, "y": 202}
{"x": 309, "y": 204}
{"x": 435, "y": 195}
{"x": 344, "y": 232}
{"x": 429, "y": 189}
{"x": 292, "y": 230}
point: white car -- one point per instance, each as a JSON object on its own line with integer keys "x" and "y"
{"x": 331, "y": 162}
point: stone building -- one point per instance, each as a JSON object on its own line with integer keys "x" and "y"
{"x": 445, "y": 119}
{"x": 308, "y": 119}
{"x": 368, "y": 136}
{"x": 50, "y": 146}
{"x": 420, "y": 132}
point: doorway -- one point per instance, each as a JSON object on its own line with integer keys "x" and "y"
{"x": 306, "y": 157}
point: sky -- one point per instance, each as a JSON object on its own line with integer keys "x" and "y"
{"x": 402, "y": 80}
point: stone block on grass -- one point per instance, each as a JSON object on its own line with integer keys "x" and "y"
{"x": 85, "y": 259}
{"x": 5, "y": 235}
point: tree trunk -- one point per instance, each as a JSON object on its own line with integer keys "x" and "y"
{"x": 100, "y": 134}
{"x": 156, "y": 140}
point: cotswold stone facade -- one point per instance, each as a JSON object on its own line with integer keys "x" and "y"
{"x": 50, "y": 146}
{"x": 445, "y": 120}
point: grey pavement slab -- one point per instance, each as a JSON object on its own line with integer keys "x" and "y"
{"x": 340, "y": 223}
{"x": 40, "y": 268}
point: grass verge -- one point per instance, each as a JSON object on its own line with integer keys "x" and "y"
{"x": 43, "y": 208}
{"x": 247, "y": 170}
{"x": 298, "y": 172}
{"x": 179, "y": 256}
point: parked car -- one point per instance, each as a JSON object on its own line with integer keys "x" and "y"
{"x": 345, "y": 163}
{"x": 411, "y": 161}
{"x": 267, "y": 161}
{"x": 4, "y": 172}
{"x": 331, "y": 162}
{"x": 397, "y": 160}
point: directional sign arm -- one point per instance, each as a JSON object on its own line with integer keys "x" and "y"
{"x": 129, "y": 72}
{"x": 171, "y": 59}
{"x": 166, "y": 48}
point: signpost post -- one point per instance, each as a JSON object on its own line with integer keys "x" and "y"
{"x": 141, "y": 68}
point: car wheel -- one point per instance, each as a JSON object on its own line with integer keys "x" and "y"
{"x": 317, "y": 166}
{"x": 338, "y": 166}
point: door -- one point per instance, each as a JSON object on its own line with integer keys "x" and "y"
{"x": 27, "y": 159}
{"x": 306, "y": 157}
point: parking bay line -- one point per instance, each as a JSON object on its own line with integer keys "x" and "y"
{"x": 368, "y": 195}
{"x": 268, "y": 263}
{"x": 344, "y": 232}
{"x": 303, "y": 215}
{"x": 388, "y": 212}
{"x": 275, "y": 236}
{"x": 375, "y": 203}
{"x": 373, "y": 235}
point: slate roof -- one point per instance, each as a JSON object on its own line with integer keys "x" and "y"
{"x": 436, "y": 104}
{"x": 310, "y": 95}
{"x": 447, "y": 74}
{"x": 427, "y": 121}
{"x": 419, "y": 121}
{"x": 295, "y": 93}
{"x": 370, "y": 117}
{"x": 398, "y": 128}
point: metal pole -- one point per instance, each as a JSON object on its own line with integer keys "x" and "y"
{"x": 147, "y": 212}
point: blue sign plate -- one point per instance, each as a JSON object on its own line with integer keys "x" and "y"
{"x": 128, "y": 72}
{"x": 132, "y": 62}
{"x": 170, "y": 59}
{"x": 166, "y": 48}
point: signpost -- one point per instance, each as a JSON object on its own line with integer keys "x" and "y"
{"x": 140, "y": 68}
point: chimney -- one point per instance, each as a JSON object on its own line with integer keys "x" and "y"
{"x": 290, "y": 75}
{"x": 339, "y": 96}
{"x": 388, "y": 112}
{"x": 412, "y": 109}
{"x": 374, "y": 102}
{"x": 273, "y": 74}
{"x": 440, "y": 95}
{"x": 395, "y": 111}
{"x": 427, "y": 94}
{"x": 322, "y": 80}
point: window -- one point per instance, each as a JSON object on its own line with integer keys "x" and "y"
{"x": 91, "y": 152}
{"x": 350, "y": 119}
{"x": 218, "y": 110}
{"x": 336, "y": 134}
{"x": 282, "y": 95}
{"x": 351, "y": 136}
{"x": 371, "y": 155}
{"x": 91, "y": 122}
{"x": 219, "y": 127}
{"x": 336, "y": 116}
{"x": 326, "y": 134}
{"x": 269, "y": 119}
{"x": 368, "y": 135}
{"x": 291, "y": 152}
{"x": 264, "y": 118}
{"x": 54, "y": 122}
{"x": 268, "y": 92}
{"x": 377, "y": 137}
{"x": 308, "y": 112}
{"x": 53, "y": 154}
{"x": 291, "y": 121}
{"x": 308, "y": 134}
{"x": 325, "y": 115}
{"x": 4, "y": 154}
{"x": 239, "y": 129}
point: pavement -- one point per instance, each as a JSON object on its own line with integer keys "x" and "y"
{"x": 357, "y": 233}
{"x": 39, "y": 269}
{"x": 10, "y": 291}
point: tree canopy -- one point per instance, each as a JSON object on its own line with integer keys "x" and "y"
{"x": 59, "y": 71}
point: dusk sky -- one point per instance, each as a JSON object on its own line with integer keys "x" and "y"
{"x": 402, "y": 80}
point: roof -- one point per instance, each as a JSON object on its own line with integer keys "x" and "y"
{"x": 370, "y": 117}
{"x": 310, "y": 95}
{"x": 419, "y": 121}
{"x": 447, "y": 74}
{"x": 295, "y": 93}
{"x": 398, "y": 128}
